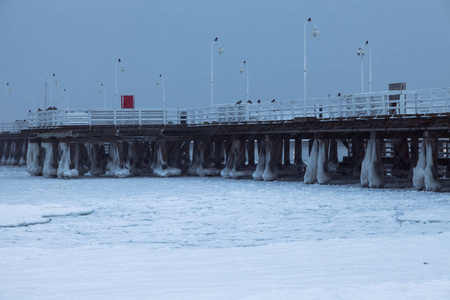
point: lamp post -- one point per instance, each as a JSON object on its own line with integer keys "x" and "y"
{"x": 220, "y": 51}
{"x": 122, "y": 69}
{"x": 361, "y": 52}
{"x": 55, "y": 82}
{"x": 158, "y": 82}
{"x": 314, "y": 33}
{"x": 100, "y": 91}
{"x": 8, "y": 89}
{"x": 241, "y": 70}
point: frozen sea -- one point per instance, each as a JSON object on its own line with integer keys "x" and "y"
{"x": 214, "y": 238}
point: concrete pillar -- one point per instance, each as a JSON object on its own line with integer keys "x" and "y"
{"x": 23, "y": 154}
{"x": 6, "y": 149}
{"x": 219, "y": 154}
{"x": 260, "y": 167}
{"x": 271, "y": 169}
{"x": 317, "y": 168}
{"x": 51, "y": 158}
{"x": 287, "y": 151}
{"x": 117, "y": 160}
{"x": 250, "y": 144}
{"x": 357, "y": 155}
{"x": 239, "y": 170}
{"x": 414, "y": 155}
{"x": 35, "y": 158}
{"x": 64, "y": 166}
{"x": 97, "y": 158}
{"x": 333, "y": 157}
{"x": 372, "y": 170}
{"x": 161, "y": 168}
{"x": 14, "y": 152}
{"x": 425, "y": 173}
{"x": 298, "y": 160}
{"x": 401, "y": 163}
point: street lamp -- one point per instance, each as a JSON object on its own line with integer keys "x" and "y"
{"x": 102, "y": 90}
{"x": 220, "y": 51}
{"x": 241, "y": 70}
{"x": 361, "y": 52}
{"x": 158, "y": 82}
{"x": 314, "y": 33}
{"x": 122, "y": 69}
{"x": 55, "y": 82}
{"x": 8, "y": 89}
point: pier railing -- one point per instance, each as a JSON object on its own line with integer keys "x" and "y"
{"x": 392, "y": 104}
{"x": 13, "y": 127}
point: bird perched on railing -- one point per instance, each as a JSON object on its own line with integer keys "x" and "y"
{"x": 239, "y": 102}
{"x": 339, "y": 94}
{"x": 249, "y": 102}
{"x": 273, "y": 101}
{"x": 259, "y": 101}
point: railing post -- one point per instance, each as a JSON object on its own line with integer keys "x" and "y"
{"x": 115, "y": 117}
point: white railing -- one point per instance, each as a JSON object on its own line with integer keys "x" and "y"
{"x": 14, "y": 127}
{"x": 379, "y": 104}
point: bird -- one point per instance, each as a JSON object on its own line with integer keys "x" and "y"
{"x": 250, "y": 102}
{"x": 273, "y": 101}
{"x": 239, "y": 102}
{"x": 215, "y": 40}
{"x": 339, "y": 94}
{"x": 259, "y": 101}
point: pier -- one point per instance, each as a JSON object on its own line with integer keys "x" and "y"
{"x": 397, "y": 133}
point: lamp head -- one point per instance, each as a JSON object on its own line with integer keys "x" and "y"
{"x": 220, "y": 50}
{"x": 123, "y": 69}
{"x": 315, "y": 32}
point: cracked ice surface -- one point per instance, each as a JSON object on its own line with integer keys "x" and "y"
{"x": 212, "y": 238}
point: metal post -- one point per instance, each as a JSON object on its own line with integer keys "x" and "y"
{"x": 248, "y": 86}
{"x": 212, "y": 73}
{"x": 362, "y": 75}
{"x": 314, "y": 33}
{"x": 370, "y": 68}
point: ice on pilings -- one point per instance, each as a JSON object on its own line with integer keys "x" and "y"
{"x": 4, "y": 159}
{"x": 424, "y": 174}
{"x": 116, "y": 164}
{"x": 201, "y": 163}
{"x": 34, "y": 160}
{"x": 13, "y": 158}
{"x": 23, "y": 154}
{"x": 49, "y": 160}
{"x": 260, "y": 167}
{"x": 372, "y": 171}
{"x": 269, "y": 173}
{"x": 317, "y": 169}
{"x": 64, "y": 170}
{"x": 161, "y": 168}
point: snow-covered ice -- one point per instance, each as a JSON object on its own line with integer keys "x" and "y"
{"x": 211, "y": 238}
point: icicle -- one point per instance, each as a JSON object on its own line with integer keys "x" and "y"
{"x": 64, "y": 170}
{"x": 34, "y": 160}
{"x": 49, "y": 162}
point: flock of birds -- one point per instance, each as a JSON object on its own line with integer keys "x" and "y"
{"x": 273, "y": 100}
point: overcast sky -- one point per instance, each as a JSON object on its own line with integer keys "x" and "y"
{"x": 81, "y": 40}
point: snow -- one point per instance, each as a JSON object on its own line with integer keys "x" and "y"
{"x": 211, "y": 238}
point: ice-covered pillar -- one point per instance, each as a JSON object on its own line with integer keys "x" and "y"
{"x": 238, "y": 171}
{"x": 14, "y": 152}
{"x": 6, "y": 149}
{"x": 219, "y": 153}
{"x": 96, "y": 158}
{"x": 23, "y": 153}
{"x": 357, "y": 155}
{"x": 161, "y": 167}
{"x": 117, "y": 160}
{"x": 311, "y": 167}
{"x": 51, "y": 159}
{"x": 206, "y": 164}
{"x": 271, "y": 167}
{"x": 35, "y": 159}
{"x": 78, "y": 158}
{"x": 401, "y": 163}
{"x": 1, "y": 149}
{"x": 65, "y": 166}
{"x": 260, "y": 167}
{"x": 425, "y": 173}
{"x": 372, "y": 170}
{"x": 135, "y": 158}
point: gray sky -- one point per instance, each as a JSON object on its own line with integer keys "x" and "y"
{"x": 80, "y": 41}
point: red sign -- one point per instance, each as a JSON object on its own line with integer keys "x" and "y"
{"x": 127, "y": 101}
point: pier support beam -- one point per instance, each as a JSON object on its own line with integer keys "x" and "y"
{"x": 35, "y": 159}
{"x": 161, "y": 167}
{"x": 271, "y": 162}
{"x": 425, "y": 173}
{"x": 298, "y": 160}
{"x": 23, "y": 153}
{"x": 97, "y": 159}
{"x": 14, "y": 152}
{"x": 317, "y": 169}
{"x": 401, "y": 164}
{"x": 6, "y": 150}
{"x": 372, "y": 170}
{"x": 357, "y": 155}
{"x": 117, "y": 162}
{"x": 51, "y": 159}
{"x": 203, "y": 159}
{"x": 65, "y": 166}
